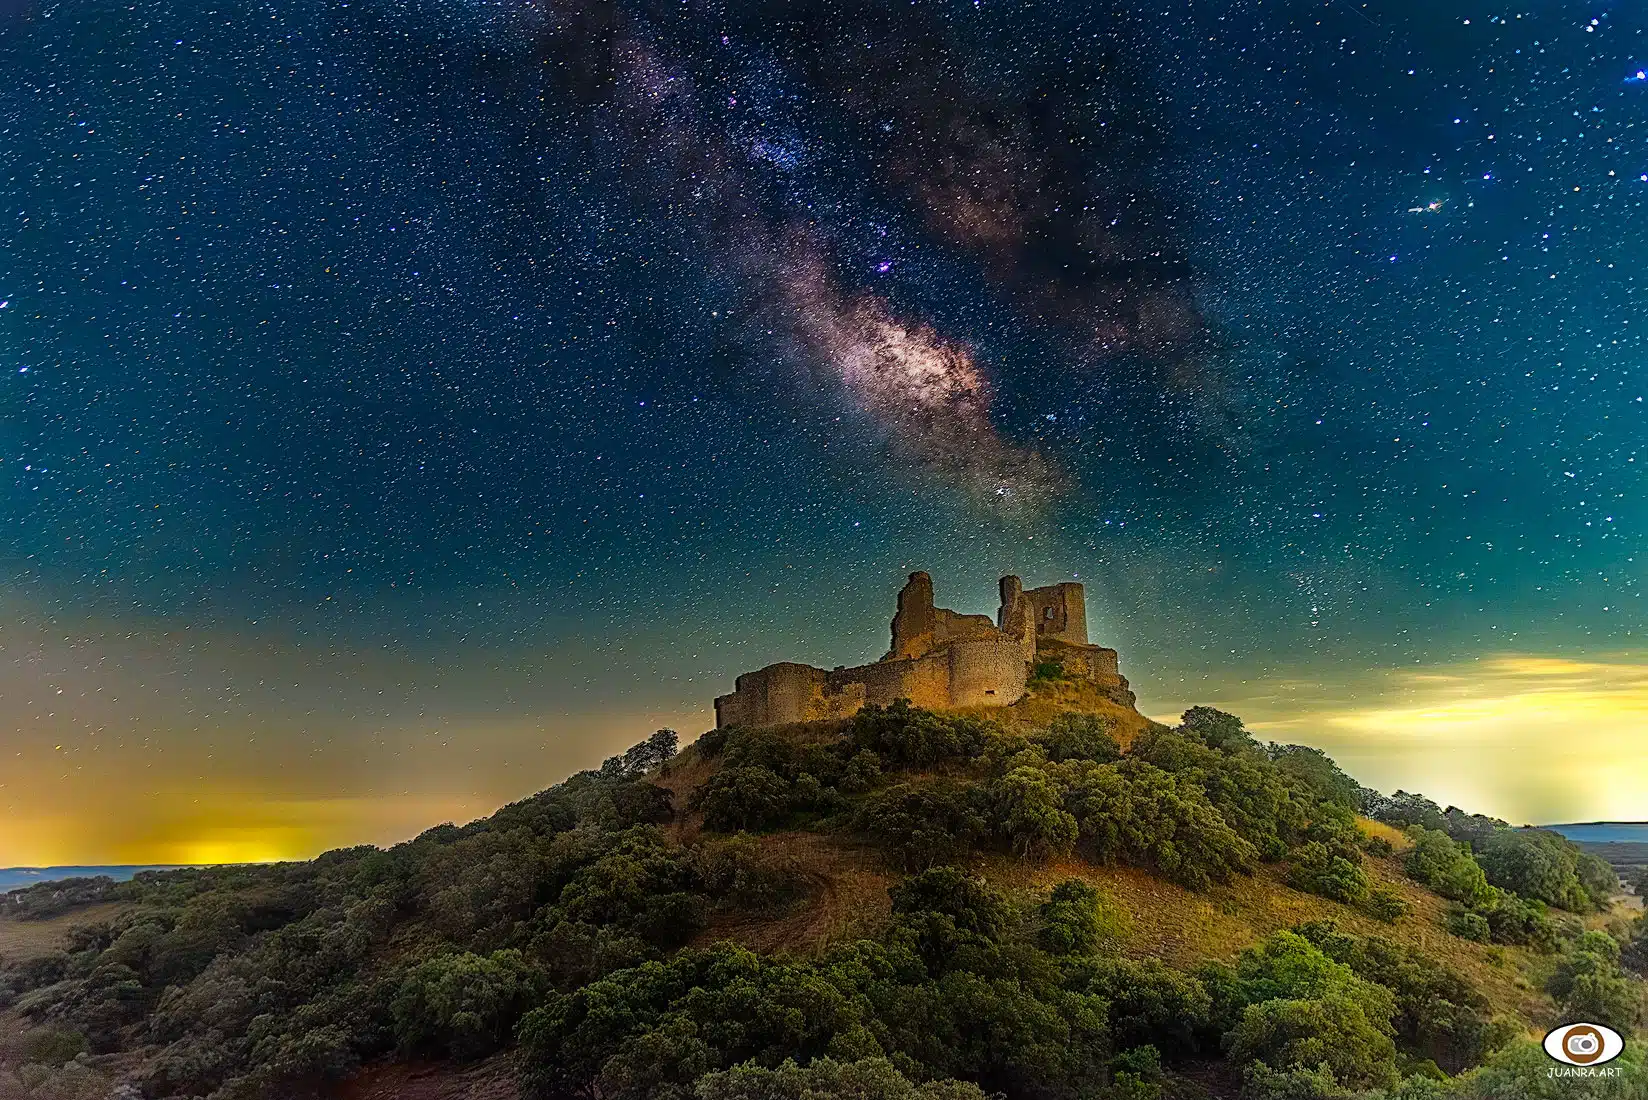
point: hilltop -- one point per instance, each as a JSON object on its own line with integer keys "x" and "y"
{"x": 1056, "y": 898}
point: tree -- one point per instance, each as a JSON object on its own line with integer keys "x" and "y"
{"x": 1318, "y": 870}
{"x": 1032, "y": 814}
{"x": 1386, "y": 903}
{"x": 923, "y": 826}
{"x": 1215, "y": 728}
{"x": 1316, "y": 772}
{"x": 1334, "y": 1030}
{"x": 464, "y": 1005}
{"x": 743, "y": 798}
{"x": 827, "y": 1079}
{"x": 1137, "y": 813}
{"x": 1438, "y": 862}
{"x": 1070, "y": 919}
{"x": 1081, "y": 737}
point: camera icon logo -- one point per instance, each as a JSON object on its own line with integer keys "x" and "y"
{"x": 1584, "y": 1044}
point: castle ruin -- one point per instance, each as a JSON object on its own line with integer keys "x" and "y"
{"x": 939, "y": 658}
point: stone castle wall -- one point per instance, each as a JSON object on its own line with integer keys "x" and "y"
{"x": 938, "y": 659}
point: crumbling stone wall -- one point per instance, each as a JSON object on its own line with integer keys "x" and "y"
{"x": 939, "y": 658}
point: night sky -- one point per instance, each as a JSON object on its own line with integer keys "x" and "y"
{"x": 404, "y": 403}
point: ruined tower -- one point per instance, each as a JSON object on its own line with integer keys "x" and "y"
{"x": 939, "y": 658}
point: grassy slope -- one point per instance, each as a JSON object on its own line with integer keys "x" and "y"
{"x": 848, "y": 897}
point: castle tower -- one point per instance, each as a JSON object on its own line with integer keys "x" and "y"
{"x": 1060, "y": 611}
{"x": 1016, "y": 618}
{"x": 916, "y": 624}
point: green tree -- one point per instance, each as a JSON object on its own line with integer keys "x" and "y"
{"x": 1081, "y": 737}
{"x": 464, "y": 1005}
{"x": 1438, "y": 862}
{"x": 744, "y": 798}
{"x": 1032, "y": 814}
{"x": 827, "y": 1079}
{"x": 1215, "y": 728}
{"x": 1070, "y": 922}
{"x": 923, "y": 826}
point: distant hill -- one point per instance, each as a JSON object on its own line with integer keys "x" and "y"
{"x": 1057, "y": 900}
{"x": 13, "y": 877}
{"x": 1603, "y": 832}
{"x": 1624, "y": 844}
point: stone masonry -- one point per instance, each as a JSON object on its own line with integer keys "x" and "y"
{"x": 938, "y": 659}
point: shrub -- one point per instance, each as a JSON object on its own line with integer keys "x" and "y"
{"x": 1436, "y": 861}
{"x": 1081, "y": 737}
{"x": 827, "y": 1079}
{"x": 742, "y": 874}
{"x": 1512, "y": 920}
{"x": 923, "y": 826}
{"x": 744, "y": 798}
{"x": 1467, "y": 925}
{"x": 1136, "y": 813}
{"x": 1030, "y": 811}
{"x": 1136, "y": 1074}
{"x": 1539, "y": 864}
{"x": 1070, "y": 919}
{"x": 1319, "y": 870}
{"x": 1149, "y": 1002}
{"x": 915, "y": 738}
{"x": 464, "y": 1005}
{"x": 1215, "y": 728}
{"x": 1335, "y": 1030}
{"x": 1385, "y": 902}
{"x": 1315, "y": 771}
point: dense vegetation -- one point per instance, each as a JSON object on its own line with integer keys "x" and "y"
{"x": 570, "y": 927}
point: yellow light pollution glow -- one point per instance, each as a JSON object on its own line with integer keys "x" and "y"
{"x": 1527, "y": 738}
{"x": 102, "y": 767}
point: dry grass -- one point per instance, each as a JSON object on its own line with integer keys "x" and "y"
{"x": 1398, "y": 839}
{"x": 493, "y": 1079}
{"x": 846, "y": 899}
{"x": 1183, "y": 927}
{"x": 1045, "y": 701}
{"x": 27, "y": 939}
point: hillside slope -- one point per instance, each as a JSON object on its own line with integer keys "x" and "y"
{"x": 1058, "y": 899}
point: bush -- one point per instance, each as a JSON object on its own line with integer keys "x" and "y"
{"x": 1467, "y": 925}
{"x": 1215, "y": 728}
{"x": 1319, "y": 870}
{"x": 923, "y": 826}
{"x": 1539, "y": 864}
{"x": 1316, "y": 772}
{"x": 827, "y": 1079}
{"x": 1385, "y": 902}
{"x": 1136, "y": 813}
{"x": 464, "y": 1005}
{"x": 1437, "y": 862}
{"x": 1521, "y": 1072}
{"x": 1149, "y": 1002}
{"x": 1136, "y": 1074}
{"x": 744, "y": 798}
{"x": 1031, "y": 814}
{"x": 739, "y": 873}
{"x": 1070, "y": 919}
{"x": 1081, "y": 737}
{"x": 914, "y": 738}
{"x": 1378, "y": 846}
{"x": 1511, "y": 920}
{"x": 1335, "y": 1030}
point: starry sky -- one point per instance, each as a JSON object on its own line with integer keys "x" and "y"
{"x": 404, "y": 403}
